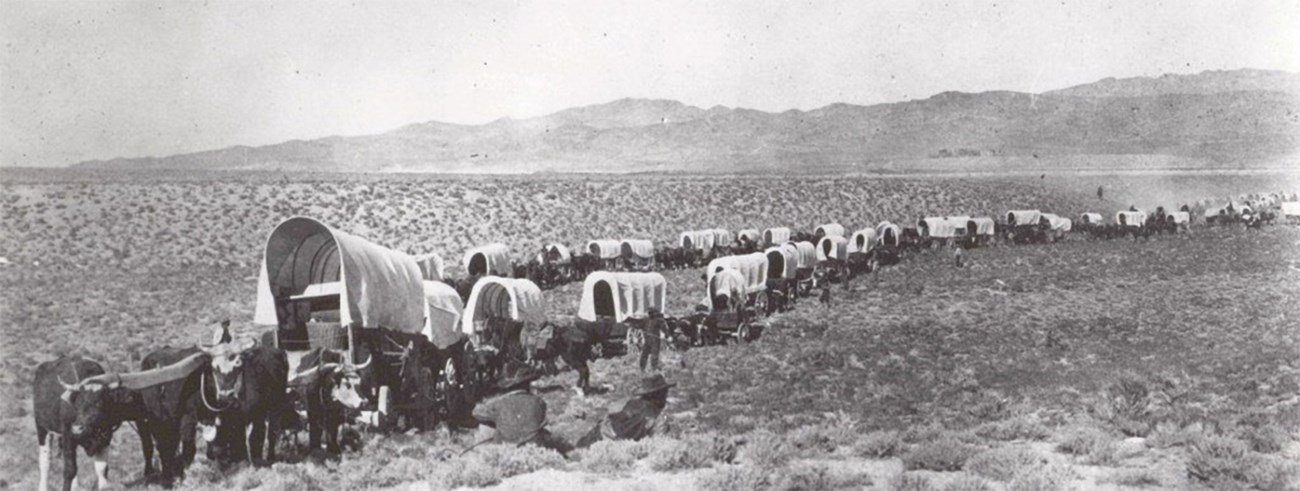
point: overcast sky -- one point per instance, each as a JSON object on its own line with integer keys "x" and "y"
{"x": 102, "y": 79}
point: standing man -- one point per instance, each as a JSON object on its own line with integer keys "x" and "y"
{"x": 656, "y": 331}
{"x": 641, "y": 417}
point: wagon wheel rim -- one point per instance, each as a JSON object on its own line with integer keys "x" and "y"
{"x": 742, "y": 333}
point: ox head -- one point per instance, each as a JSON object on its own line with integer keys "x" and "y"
{"x": 92, "y": 398}
{"x": 342, "y": 380}
{"x": 227, "y": 367}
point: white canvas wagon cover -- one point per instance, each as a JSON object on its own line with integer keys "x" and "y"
{"x": 1057, "y": 223}
{"x": 513, "y": 298}
{"x": 980, "y": 226}
{"x": 1180, "y": 217}
{"x": 729, "y": 283}
{"x": 1291, "y": 208}
{"x": 776, "y": 235}
{"x": 622, "y": 295}
{"x": 639, "y": 248}
{"x": 829, "y": 230}
{"x": 750, "y": 234}
{"x": 722, "y": 237}
{"x": 832, "y": 247}
{"x": 375, "y": 286}
{"x": 889, "y": 233}
{"x": 443, "y": 309}
{"x": 1130, "y": 218}
{"x": 863, "y": 240}
{"x": 943, "y": 227}
{"x": 559, "y": 254}
{"x": 752, "y": 267}
{"x": 431, "y": 266}
{"x": 491, "y": 259}
{"x": 1090, "y": 218}
{"x": 782, "y": 261}
{"x": 1023, "y": 217}
{"x": 807, "y": 254}
{"x": 696, "y": 239}
{"x": 604, "y": 248}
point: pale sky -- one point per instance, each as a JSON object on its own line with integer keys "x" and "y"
{"x": 102, "y": 79}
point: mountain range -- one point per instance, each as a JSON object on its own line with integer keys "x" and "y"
{"x": 1217, "y": 119}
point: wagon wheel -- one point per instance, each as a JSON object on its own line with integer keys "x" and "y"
{"x": 635, "y": 339}
{"x": 760, "y": 303}
{"x": 742, "y": 333}
{"x": 448, "y": 379}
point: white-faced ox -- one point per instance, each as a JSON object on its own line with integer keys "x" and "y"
{"x": 328, "y": 386}
{"x": 60, "y": 390}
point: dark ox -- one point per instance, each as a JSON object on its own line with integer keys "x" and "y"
{"x": 328, "y": 387}
{"x": 58, "y": 410}
{"x": 247, "y": 388}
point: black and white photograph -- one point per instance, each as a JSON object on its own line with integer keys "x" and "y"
{"x": 900, "y": 245}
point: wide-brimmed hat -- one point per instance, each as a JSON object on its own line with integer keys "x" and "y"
{"x": 519, "y": 378}
{"x": 652, "y": 384}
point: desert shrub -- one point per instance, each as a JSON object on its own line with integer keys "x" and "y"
{"x": 1022, "y": 427}
{"x": 1134, "y": 478}
{"x": 966, "y": 482}
{"x": 923, "y": 433}
{"x": 1004, "y": 464}
{"x": 1264, "y": 438}
{"x": 1094, "y": 445}
{"x": 612, "y": 456}
{"x": 734, "y": 478}
{"x": 1044, "y": 478}
{"x": 766, "y": 450}
{"x": 1222, "y": 461}
{"x": 878, "y": 444}
{"x": 692, "y": 452}
{"x": 1125, "y": 404}
{"x": 811, "y": 441}
{"x": 943, "y": 454}
{"x": 804, "y": 476}
{"x": 513, "y": 460}
{"x": 907, "y": 481}
{"x": 1169, "y": 434}
{"x": 473, "y": 473}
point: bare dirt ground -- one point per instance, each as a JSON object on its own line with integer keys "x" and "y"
{"x": 1168, "y": 363}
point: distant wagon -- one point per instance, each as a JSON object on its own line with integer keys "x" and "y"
{"x": 782, "y": 262}
{"x": 491, "y": 259}
{"x": 495, "y": 299}
{"x": 432, "y": 267}
{"x": 728, "y": 317}
{"x": 806, "y": 264}
{"x": 980, "y": 230}
{"x": 637, "y": 254}
{"x": 776, "y": 235}
{"x": 557, "y": 254}
{"x": 829, "y": 230}
{"x": 863, "y": 241}
{"x": 832, "y": 247}
{"x": 1023, "y": 218}
{"x": 611, "y": 299}
{"x": 606, "y": 250}
{"x": 701, "y": 240}
{"x": 722, "y": 237}
{"x": 753, "y": 236}
{"x": 937, "y": 231}
{"x": 1056, "y": 226}
{"x": 890, "y": 235}
{"x": 1178, "y": 220}
{"x": 752, "y": 267}
{"x": 1130, "y": 218}
{"x": 1291, "y": 211}
{"x": 1090, "y": 219}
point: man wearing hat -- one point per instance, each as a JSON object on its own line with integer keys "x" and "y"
{"x": 518, "y": 415}
{"x": 642, "y": 416}
{"x": 656, "y": 332}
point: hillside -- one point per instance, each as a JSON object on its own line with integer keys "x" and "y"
{"x": 1211, "y": 120}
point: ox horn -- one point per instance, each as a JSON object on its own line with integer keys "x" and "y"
{"x": 69, "y": 387}
{"x": 369, "y": 358}
{"x": 162, "y": 375}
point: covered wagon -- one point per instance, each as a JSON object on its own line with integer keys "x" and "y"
{"x": 607, "y": 251}
{"x": 750, "y": 235}
{"x": 557, "y": 254}
{"x": 1056, "y": 225}
{"x": 495, "y": 299}
{"x": 863, "y": 241}
{"x": 782, "y": 262}
{"x": 752, "y": 267}
{"x": 980, "y": 230}
{"x": 722, "y": 237}
{"x": 806, "y": 263}
{"x": 701, "y": 240}
{"x": 1291, "y": 211}
{"x": 942, "y": 228}
{"x": 314, "y": 274}
{"x": 728, "y": 318}
{"x": 1090, "y": 219}
{"x": 832, "y": 247}
{"x": 890, "y": 235}
{"x": 431, "y": 266}
{"x": 777, "y": 235}
{"x": 491, "y": 259}
{"x": 637, "y": 253}
{"x": 1130, "y": 218}
{"x": 1023, "y": 218}
{"x": 610, "y": 299}
{"x": 829, "y": 230}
